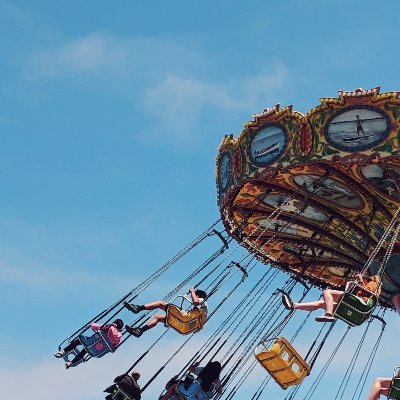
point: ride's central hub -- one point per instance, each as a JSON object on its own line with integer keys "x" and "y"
{"x": 314, "y": 194}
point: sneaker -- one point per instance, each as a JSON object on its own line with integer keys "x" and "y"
{"x": 133, "y": 331}
{"x": 59, "y": 354}
{"x": 68, "y": 364}
{"x": 132, "y": 307}
{"x": 325, "y": 318}
{"x": 287, "y": 301}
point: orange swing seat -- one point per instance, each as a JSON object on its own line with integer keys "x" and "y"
{"x": 182, "y": 321}
{"x": 282, "y": 362}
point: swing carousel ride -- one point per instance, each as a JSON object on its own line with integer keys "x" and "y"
{"x": 334, "y": 173}
{"x": 314, "y": 195}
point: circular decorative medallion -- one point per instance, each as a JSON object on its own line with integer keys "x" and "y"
{"x": 384, "y": 178}
{"x": 268, "y": 144}
{"x": 224, "y": 170}
{"x": 330, "y": 190}
{"x": 357, "y": 128}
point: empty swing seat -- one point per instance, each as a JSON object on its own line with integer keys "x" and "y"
{"x": 394, "y": 390}
{"x": 98, "y": 344}
{"x": 282, "y": 362}
{"x": 352, "y": 310}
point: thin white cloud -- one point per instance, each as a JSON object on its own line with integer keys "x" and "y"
{"x": 162, "y": 79}
{"x": 178, "y": 102}
{"x": 101, "y": 55}
{"x": 31, "y": 275}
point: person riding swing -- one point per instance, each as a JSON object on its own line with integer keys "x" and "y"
{"x": 114, "y": 335}
{"x": 331, "y": 297}
{"x": 198, "y": 300}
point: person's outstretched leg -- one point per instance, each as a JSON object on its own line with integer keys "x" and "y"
{"x": 330, "y": 298}
{"x": 309, "y": 306}
{"x": 151, "y": 323}
{"x": 67, "y": 349}
{"x": 380, "y": 386}
{"x": 135, "y": 308}
{"x": 77, "y": 358}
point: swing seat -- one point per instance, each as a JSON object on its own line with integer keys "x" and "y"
{"x": 193, "y": 392}
{"x": 98, "y": 344}
{"x": 182, "y": 321}
{"x": 351, "y": 309}
{"x": 282, "y": 362}
{"x": 394, "y": 390}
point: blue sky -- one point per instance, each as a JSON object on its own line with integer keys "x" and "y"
{"x": 110, "y": 119}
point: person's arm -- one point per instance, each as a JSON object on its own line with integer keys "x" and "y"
{"x": 361, "y": 279}
{"x": 218, "y": 386}
{"x": 193, "y": 367}
{"x": 95, "y": 327}
{"x": 195, "y": 299}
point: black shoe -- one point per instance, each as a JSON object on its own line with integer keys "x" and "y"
{"x": 287, "y": 301}
{"x": 132, "y": 307}
{"x": 133, "y": 331}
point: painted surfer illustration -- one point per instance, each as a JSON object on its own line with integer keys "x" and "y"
{"x": 359, "y": 126}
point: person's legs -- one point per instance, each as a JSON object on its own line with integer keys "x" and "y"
{"x": 309, "y": 306}
{"x": 72, "y": 345}
{"x": 331, "y": 298}
{"x": 380, "y": 386}
{"x": 135, "y": 308}
{"x": 77, "y": 358}
{"x": 67, "y": 349}
{"x": 151, "y": 323}
{"x": 162, "y": 305}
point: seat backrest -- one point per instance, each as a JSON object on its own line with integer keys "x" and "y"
{"x": 283, "y": 362}
{"x": 184, "y": 322}
{"x": 354, "y": 311}
{"x": 98, "y": 344}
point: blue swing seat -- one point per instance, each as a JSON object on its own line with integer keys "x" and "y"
{"x": 98, "y": 344}
{"x": 193, "y": 391}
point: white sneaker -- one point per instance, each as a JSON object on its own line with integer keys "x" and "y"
{"x": 325, "y": 318}
{"x": 59, "y": 354}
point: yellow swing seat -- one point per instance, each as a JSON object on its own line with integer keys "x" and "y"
{"x": 182, "y": 321}
{"x": 282, "y": 362}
